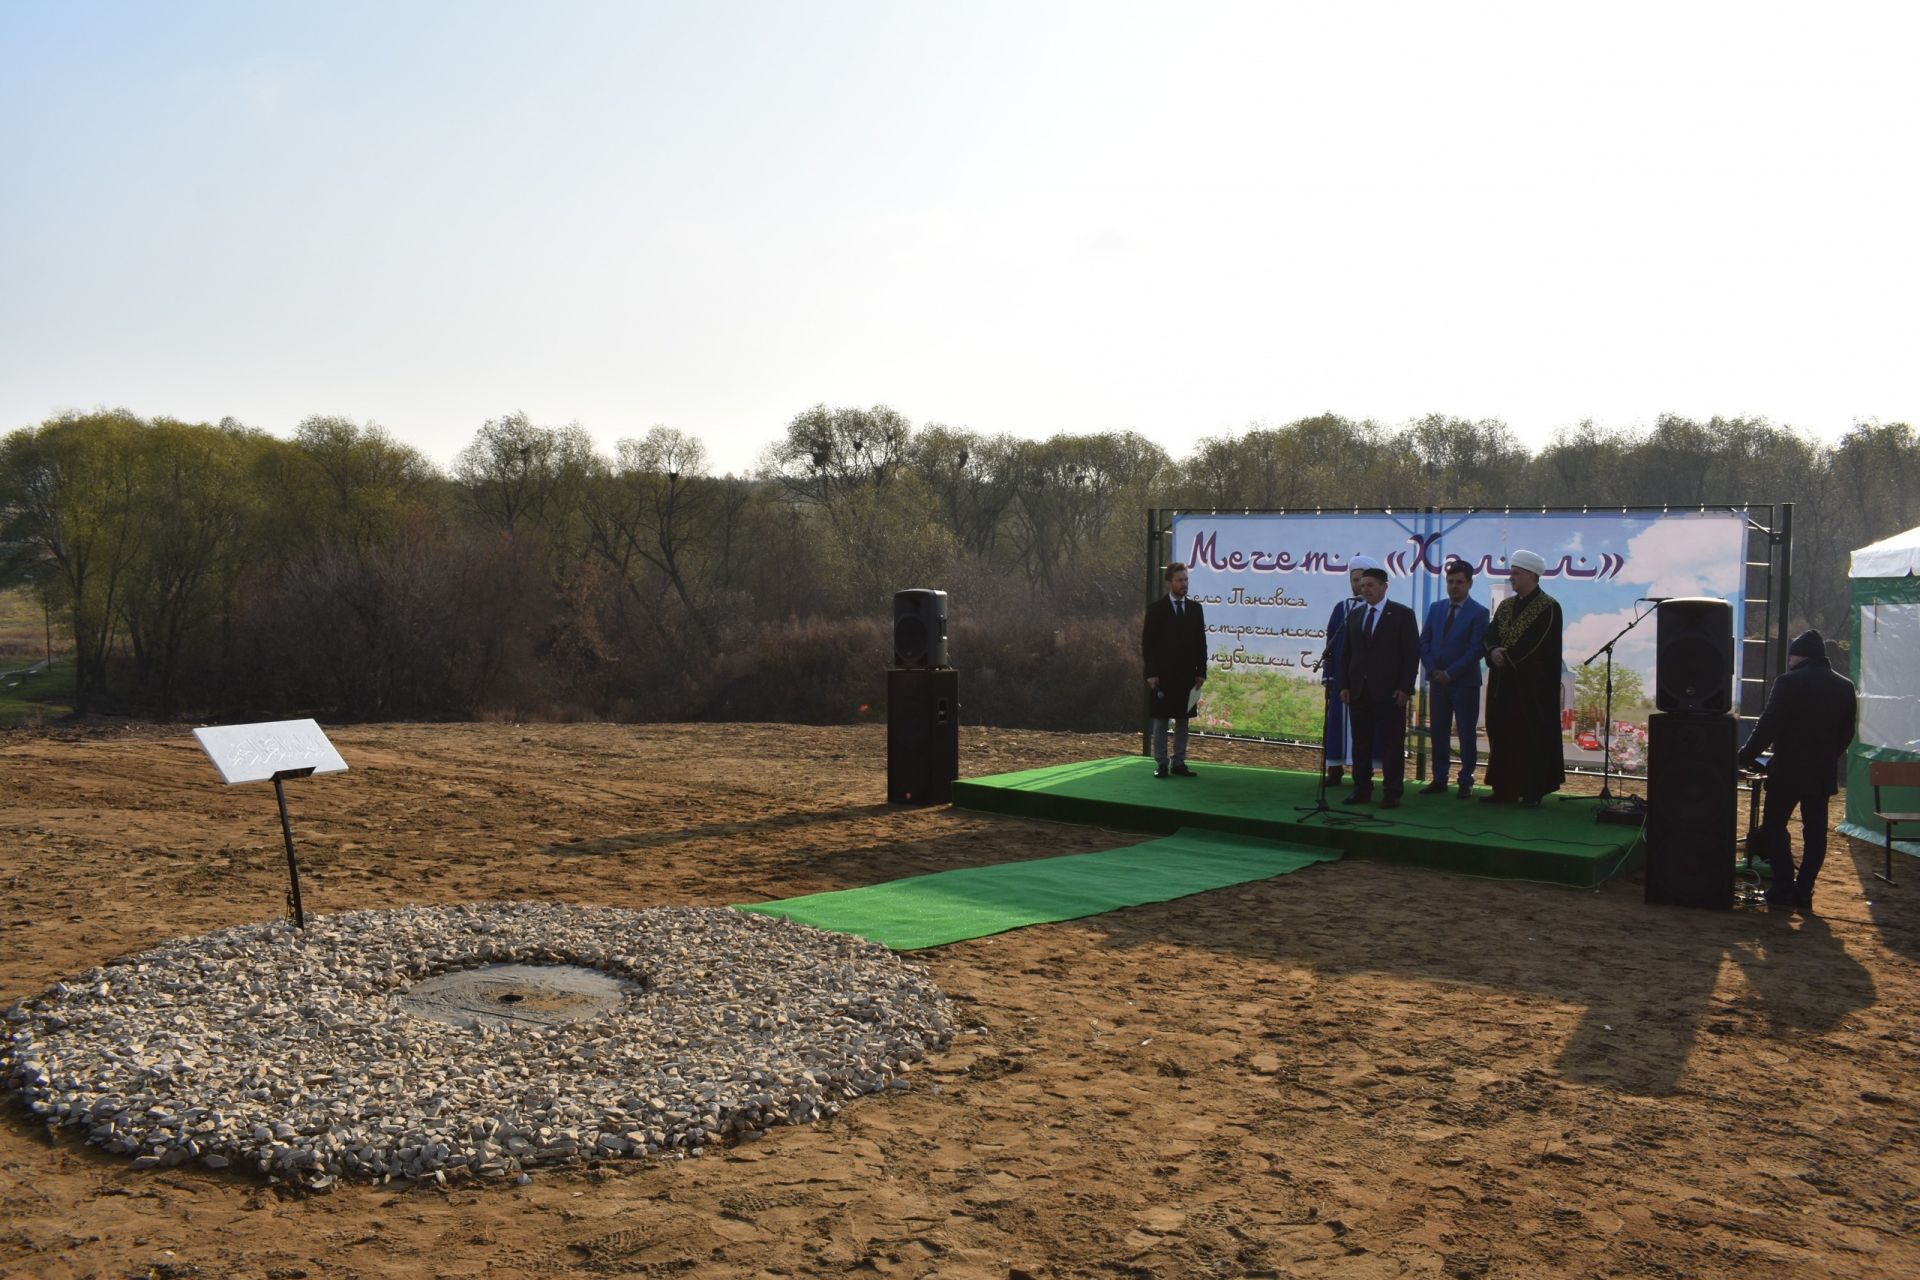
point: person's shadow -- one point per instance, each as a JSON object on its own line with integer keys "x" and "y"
{"x": 1645, "y": 1018}
{"x": 1652, "y": 980}
{"x": 1893, "y": 908}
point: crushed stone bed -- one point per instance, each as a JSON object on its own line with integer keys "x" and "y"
{"x": 289, "y": 1052}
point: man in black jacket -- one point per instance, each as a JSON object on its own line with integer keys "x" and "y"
{"x": 1377, "y": 671}
{"x": 1808, "y": 722}
{"x": 1173, "y": 647}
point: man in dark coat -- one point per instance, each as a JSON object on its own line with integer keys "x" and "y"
{"x": 1523, "y": 690}
{"x": 1808, "y": 722}
{"x": 1379, "y": 660}
{"x": 1173, "y": 648}
{"x": 1336, "y": 733}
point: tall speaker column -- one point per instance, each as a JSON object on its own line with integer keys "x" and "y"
{"x": 1692, "y": 741}
{"x": 923, "y": 703}
{"x": 1692, "y": 808}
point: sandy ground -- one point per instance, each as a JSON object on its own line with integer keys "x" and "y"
{"x": 1361, "y": 1070}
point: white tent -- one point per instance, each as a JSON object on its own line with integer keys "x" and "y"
{"x": 1886, "y": 671}
{"x": 1894, "y": 557}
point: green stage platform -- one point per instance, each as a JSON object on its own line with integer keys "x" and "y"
{"x": 1560, "y": 841}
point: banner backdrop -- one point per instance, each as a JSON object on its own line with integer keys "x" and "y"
{"x": 1271, "y": 584}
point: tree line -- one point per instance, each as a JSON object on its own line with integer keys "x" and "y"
{"x": 218, "y": 571}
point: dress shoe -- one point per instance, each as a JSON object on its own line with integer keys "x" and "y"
{"x": 1466, "y": 791}
{"x": 1357, "y": 797}
{"x": 1335, "y": 774}
{"x": 1391, "y": 802}
{"x": 1181, "y": 771}
{"x": 1160, "y": 772}
{"x": 1531, "y": 802}
{"x": 1434, "y": 789}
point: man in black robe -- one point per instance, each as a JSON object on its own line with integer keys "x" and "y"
{"x": 1808, "y": 722}
{"x": 1523, "y": 690}
{"x": 1173, "y": 648}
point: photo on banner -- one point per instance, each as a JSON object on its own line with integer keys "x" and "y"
{"x": 1273, "y": 583}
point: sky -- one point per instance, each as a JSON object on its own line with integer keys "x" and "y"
{"x": 1179, "y": 219}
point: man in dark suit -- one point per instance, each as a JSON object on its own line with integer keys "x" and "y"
{"x": 1173, "y": 648}
{"x": 1808, "y": 722}
{"x": 1450, "y": 652}
{"x": 1377, "y": 670}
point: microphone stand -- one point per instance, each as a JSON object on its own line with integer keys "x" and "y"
{"x": 1606, "y": 729}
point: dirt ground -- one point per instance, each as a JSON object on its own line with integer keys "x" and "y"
{"x": 1360, "y": 1070}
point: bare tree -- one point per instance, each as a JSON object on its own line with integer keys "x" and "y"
{"x": 515, "y": 473}
{"x": 648, "y": 509}
{"x": 199, "y": 509}
{"x": 829, "y": 454}
{"x": 973, "y": 477}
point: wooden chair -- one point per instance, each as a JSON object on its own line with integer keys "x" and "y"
{"x": 1892, "y": 773}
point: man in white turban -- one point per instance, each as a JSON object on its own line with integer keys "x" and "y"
{"x": 1523, "y": 689}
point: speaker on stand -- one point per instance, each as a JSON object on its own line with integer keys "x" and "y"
{"x": 919, "y": 629}
{"x": 923, "y": 702}
{"x": 1693, "y": 656}
{"x": 1692, "y": 743}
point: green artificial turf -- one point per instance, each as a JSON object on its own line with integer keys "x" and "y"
{"x": 951, "y": 906}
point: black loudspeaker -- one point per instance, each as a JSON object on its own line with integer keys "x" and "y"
{"x": 923, "y": 735}
{"x": 1693, "y": 655}
{"x": 1692, "y": 802}
{"x": 919, "y": 628}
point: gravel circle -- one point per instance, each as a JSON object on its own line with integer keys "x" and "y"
{"x": 286, "y": 1051}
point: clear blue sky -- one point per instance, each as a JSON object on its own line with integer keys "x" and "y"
{"x": 1025, "y": 217}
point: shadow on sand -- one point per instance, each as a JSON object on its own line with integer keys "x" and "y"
{"x": 1645, "y": 975}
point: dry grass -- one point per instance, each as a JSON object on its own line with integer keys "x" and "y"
{"x": 23, "y": 628}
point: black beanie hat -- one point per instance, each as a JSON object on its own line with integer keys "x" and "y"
{"x": 1807, "y": 644}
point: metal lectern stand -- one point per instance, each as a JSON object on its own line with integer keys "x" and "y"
{"x": 286, "y": 830}
{"x": 272, "y": 751}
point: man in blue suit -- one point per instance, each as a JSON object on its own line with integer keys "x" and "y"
{"x": 1450, "y": 649}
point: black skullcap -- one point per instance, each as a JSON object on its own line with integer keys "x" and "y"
{"x": 1807, "y": 644}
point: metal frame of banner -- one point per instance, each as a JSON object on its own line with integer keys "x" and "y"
{"x": 1771, "y": 536}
